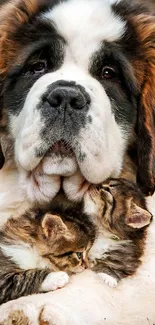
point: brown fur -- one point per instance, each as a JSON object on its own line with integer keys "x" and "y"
{"x": 143, "y": 63}
{"x": 58, "y": 240}
{"x": 42, "y": 321}
{"x": 145, "y": 27}
{"x": 16, "y": 318}
{"x": 123, "y": 213}
{"x": 15, "y": 14}
{"x": 129, "y": 170}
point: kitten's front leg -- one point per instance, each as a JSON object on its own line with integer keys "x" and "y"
{"x": 24, "y": 283}
{"x": 53, "y": 281}
{"x": 104, "y": 273}
{"x": 108, "y": 279}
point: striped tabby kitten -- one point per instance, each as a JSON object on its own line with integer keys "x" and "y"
{"x": 122, "y": 218}
{"x": 36, "y": 247}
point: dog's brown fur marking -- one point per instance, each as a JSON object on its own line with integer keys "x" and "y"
{"x": 145, "y": 27}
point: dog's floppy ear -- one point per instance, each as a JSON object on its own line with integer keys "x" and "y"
{"x": 146, "y": 134}
{"x": 146, "y": 109}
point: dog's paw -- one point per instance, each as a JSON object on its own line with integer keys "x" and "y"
{"x": 54, "y": 281}
{"x": 108, "y": 279}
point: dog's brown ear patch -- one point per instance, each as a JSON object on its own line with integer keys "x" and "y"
{"x": 13, "y": 15}
{"x": 146, "y": 134}
{"x": 145, "y": 27}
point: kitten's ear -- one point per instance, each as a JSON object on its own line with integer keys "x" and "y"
{"x": 138, "y": 217}
{"x": 53, "y": 226}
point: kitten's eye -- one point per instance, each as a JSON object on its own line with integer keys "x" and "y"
{"x": 114, "y": 237}
{"x": 79, "y": 255}
{"x": 39, "y": 67}
{"x": 106, "y": 188}
{"x": 109, "y": 73}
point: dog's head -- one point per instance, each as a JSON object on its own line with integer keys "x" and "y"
{"x": 71, "y": 74}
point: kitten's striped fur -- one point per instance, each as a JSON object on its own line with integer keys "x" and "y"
{"x": 122, "y": 221}
{"x": 34, "y": 247}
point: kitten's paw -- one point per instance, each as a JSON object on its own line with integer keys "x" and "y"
{"x": 54, "y": 281}
{"x": 108, "y": 279}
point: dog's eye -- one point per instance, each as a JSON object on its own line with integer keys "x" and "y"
{"x": 109, "y": 73}
{"x": 39, "y": 67}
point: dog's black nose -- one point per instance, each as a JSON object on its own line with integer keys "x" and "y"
{"x": 67, "y": 95}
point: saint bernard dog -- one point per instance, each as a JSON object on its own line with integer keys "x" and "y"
{"x": 77, "y": 91}
{"x": 77, "y": 95}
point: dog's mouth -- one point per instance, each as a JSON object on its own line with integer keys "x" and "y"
{"x": 60, "y": 148}
{"x": 58, "y": 171}
{"x": 60, "y": 160}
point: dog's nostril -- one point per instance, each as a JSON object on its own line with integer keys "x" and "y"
{"x": 56, "y": 100}
{"x": 76, "y": 103}
{"x": 73, "y": 103}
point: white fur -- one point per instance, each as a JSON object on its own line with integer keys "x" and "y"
{"x": 44, "y": 190}
{"x": 113, "y": 1}
{"x": 75, "y": 186}
{"x": 54, "y": 280}
{"x": 108, "y": 279}
{"x": 13, "y": 198}
{"x": 84, "y": 24}
{"x": 25, "y": 256}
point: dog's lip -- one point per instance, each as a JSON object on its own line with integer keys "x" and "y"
{"x": 60, "y": 148}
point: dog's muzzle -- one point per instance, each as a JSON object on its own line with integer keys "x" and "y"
{"x": 64, "y": 109}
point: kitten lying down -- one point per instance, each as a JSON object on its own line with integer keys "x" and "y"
{"x": 119, "y": 210}
{"x": 39, "y": 249}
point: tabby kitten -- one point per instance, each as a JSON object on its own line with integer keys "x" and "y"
{"x": 122, "y": 218}
{"x": 36, "y": 247}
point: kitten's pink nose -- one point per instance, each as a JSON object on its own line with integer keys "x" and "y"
{"x": 79, "y": 269}
{"x": 85, "y": 262}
